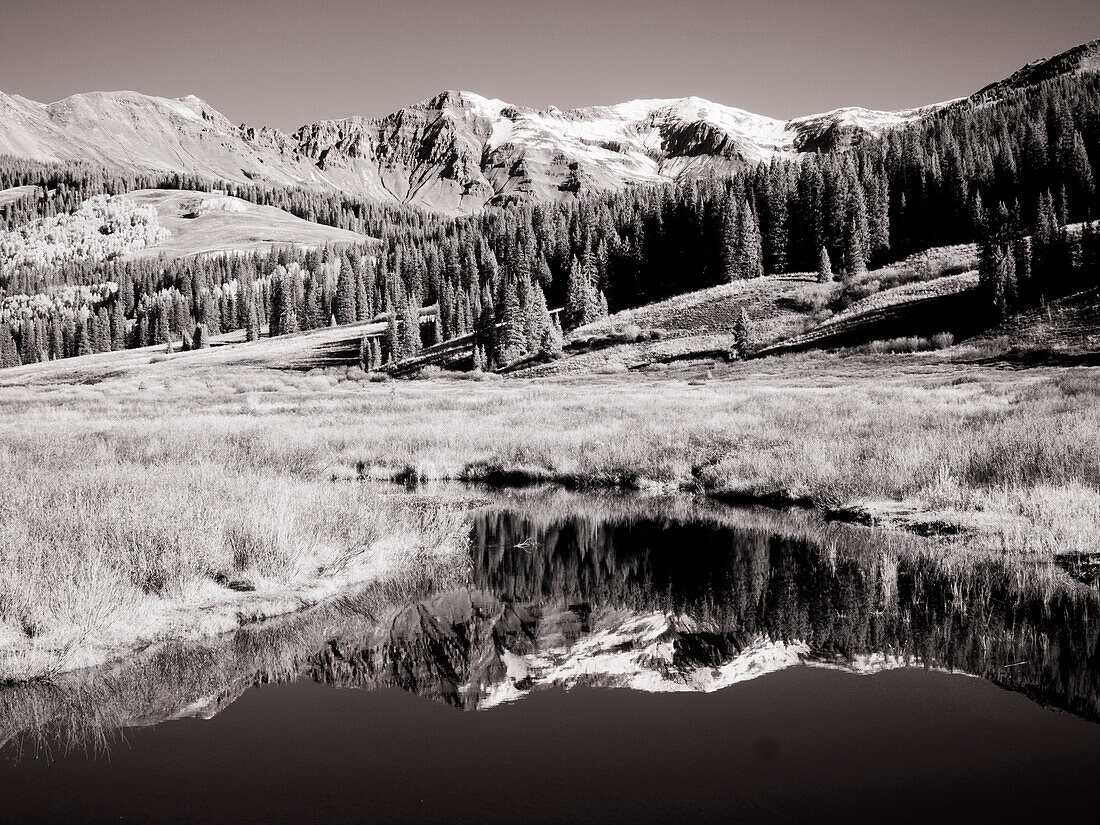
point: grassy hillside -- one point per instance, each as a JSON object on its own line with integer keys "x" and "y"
{"x": 301, "y": 351}
{"x": 786, "y": 313}
{"x": 202, "y": 223}
{"x": 1065, "y": 331}
{"x": 693, "y": 325}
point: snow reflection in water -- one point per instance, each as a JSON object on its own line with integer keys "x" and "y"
{"x": 578, "y": 592}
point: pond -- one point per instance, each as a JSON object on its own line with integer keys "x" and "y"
{"x": 604, "y": 660}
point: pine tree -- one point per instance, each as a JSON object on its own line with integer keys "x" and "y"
{"x": 118, "y": 325}
{"x": 576, "y": 301}
{"x": 878, "y": 218}
{"x": 393, "y": 339}
{"x": 593, "y": 303}
{"x": 366, "y": 354}
{"x": 776, "y": 234}
{"x": 311, "y": 306}
{"x": 856, "y": 234}
{"x": 742, "y": 334}
{"x": 728, "y": 246}
{"x": 163, "y": 332}
{"x": 252, "y": 332}
{"x": 82, "y": 344}
{"x": 437, "y": 325}
{"x": 537, "y": 320}
{"x": 211, "y": 313}
{"x": 997, "y": 265}
{"x": 9, "y": 354}
{"x": 103, "y": 330}
{"x": 552, "y": 342}
{"x": 824, "y": 266}
{"x": 1025, "y": 282}
{"x": 288, "y": 305}
{"x": 512, "y": 336}
{"x": 28, "y": 343}
{"x": 486, "y": 329}
{"x": 481, "y": 363}
{"x": 56, "y": 343}
{"x": 748, "y": 257}
{"x": 410, "y": 328}
{"x": 363, "y": 275}
{"x": 345, "y": 310}
{"x": 1078, "y": 175}
{"x": 68, "y": 336}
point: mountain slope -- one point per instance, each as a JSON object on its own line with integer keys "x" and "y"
{"x": 453, "y": 153}
{"x": 130, "y": 130}
{"x": 457, "y": 151}
{"x": 1083, "y": 59}
{"x": 152, "y": 222}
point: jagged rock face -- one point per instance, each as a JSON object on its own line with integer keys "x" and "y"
{"x": 448, "y": 649}
{"x": 454, "y": 153}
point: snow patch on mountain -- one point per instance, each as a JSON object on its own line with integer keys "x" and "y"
{"x": 455, "y": 152}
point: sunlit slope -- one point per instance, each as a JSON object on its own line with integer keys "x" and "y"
{"x": 16, "y": 193}
{"x": 202, "y": 223}
{"x": 930, "y": 292}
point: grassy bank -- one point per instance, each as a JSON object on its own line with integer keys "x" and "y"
{"x": 143, "y": 506}
{"x": 118, "y": 531}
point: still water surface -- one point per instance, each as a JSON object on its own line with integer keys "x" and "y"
{"x": 626, "y": 663}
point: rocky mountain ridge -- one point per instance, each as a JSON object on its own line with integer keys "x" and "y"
{"x": 457, "y": 151}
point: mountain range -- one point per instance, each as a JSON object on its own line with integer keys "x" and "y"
{"x": 458, "y": 151}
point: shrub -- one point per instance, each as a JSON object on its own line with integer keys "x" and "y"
{"x": 612, "y": 368}
{"x": 907, "y": 344}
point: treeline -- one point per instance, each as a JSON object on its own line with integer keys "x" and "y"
{"x": 1022, "y": 168}
{"x": 183, "y": 302}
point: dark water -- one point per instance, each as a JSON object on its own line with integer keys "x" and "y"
{"x": 627, "y": 663}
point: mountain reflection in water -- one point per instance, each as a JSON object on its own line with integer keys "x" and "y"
{"x": 635, "y": 593}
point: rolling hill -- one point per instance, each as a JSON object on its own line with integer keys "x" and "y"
{"x": 203, "y": 224}
{"x": 149, "y": 223}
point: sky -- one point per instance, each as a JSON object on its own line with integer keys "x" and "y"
{"x": 287, "y": 62}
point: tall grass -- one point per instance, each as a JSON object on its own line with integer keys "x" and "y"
{"x": 131, "y": 531}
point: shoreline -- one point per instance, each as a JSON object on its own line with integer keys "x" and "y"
{"x": 225, "y": 609}
{"x": 212, "y": 610}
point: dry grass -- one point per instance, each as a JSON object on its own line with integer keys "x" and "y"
{"x": 118, "y": 531}
{"x": 129, "y": 504}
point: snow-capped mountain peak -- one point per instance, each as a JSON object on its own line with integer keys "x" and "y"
{"x": 456, "y": 151}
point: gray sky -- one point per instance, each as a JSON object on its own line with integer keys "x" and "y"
{"x": 288, "y": 62}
